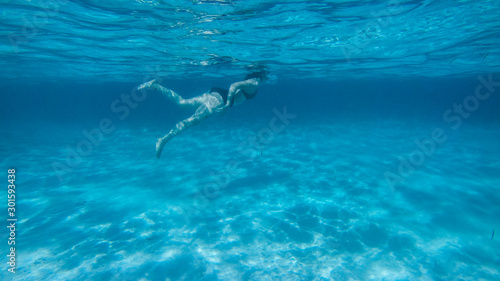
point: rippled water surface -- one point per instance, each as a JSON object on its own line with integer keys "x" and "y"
{"x": 371, "y": 153}
{"x": 118, "y": 40}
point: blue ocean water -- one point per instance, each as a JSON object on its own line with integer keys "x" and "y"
{"x": 371, "y": 153}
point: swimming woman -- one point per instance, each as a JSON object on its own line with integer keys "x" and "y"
{"x": 216, "y": 100}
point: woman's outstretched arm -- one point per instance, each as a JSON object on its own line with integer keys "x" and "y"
{"x": 247, "y": 85}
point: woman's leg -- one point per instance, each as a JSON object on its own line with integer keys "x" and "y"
{"x": 196, "y": 101}
{"x": 203, "y": 112}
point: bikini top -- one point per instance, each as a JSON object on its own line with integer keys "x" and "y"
{"x": 224, "y": 93}
{"x": 249, "y": 96}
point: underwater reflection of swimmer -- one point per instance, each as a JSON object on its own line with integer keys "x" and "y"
{"x": 216, "y": 100}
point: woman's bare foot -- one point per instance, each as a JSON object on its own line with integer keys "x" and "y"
{"x": 160, "y": 143}
{"x": 147, "y": 85}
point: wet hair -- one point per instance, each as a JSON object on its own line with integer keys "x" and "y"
{"x": 262, "y": 75}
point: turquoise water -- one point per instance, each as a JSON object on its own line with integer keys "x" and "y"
{"x": 371, "y": 153}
